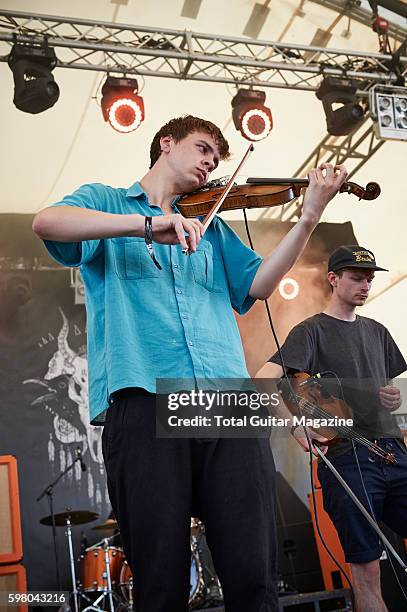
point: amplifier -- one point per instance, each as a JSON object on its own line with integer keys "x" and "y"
{"x": 13, "y": 578}
{"x": 11, "y": 548}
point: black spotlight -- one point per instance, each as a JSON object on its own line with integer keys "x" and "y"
{"x": 344, "y": 119}
{"x": 35, "y": 89}
{"x": 121, "y": 106}
{"x": 250, "y": 116}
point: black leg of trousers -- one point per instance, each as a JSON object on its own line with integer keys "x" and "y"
{"x": 149, "y": 482}
{"x": 237, "y": 501}
{"x": 153, "y": 484}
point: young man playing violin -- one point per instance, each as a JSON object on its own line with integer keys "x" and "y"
{"x": 145, "y": 323}
{"x": 364, "y": 356}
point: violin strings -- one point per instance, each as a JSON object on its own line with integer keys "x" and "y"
{"x": 315, "y": 409}
{"x": 350, "y": 433}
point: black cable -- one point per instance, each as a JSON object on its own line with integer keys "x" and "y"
{"x": 288, "y": 381}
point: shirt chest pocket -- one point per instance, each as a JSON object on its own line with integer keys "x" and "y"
{"x": 207, "y": 270}
{"x": 132, "y": 260}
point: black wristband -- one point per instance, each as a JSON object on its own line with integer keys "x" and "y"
{"x": 148, "y": 230}
{"x": 148, "y": 237}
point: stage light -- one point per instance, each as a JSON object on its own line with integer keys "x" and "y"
{"x": 121, "y": 106}
{"x": 35, "y": 89}
{"x": 388, "y": 108}
{"x": 343, "y": 120}
{"x": 250, "y": 116}
{"x": 288, "y": 288}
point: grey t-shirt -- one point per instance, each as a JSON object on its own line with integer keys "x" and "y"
{"x": 361, "y": 353}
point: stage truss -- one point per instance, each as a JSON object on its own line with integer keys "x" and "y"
{"x": 185, "y": 55}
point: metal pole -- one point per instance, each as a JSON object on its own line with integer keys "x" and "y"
{"x": 72, "y": 563}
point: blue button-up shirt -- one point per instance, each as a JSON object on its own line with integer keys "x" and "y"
{"x": 143, "y": 323}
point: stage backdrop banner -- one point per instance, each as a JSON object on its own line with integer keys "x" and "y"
{"x": 44, "y": 413}
{"x": 43, "y": 382}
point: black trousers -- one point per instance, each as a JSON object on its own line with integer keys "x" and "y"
{"x": 156, "y": 485}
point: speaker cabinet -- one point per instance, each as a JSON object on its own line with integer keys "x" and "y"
{"x": 11, "y": 549}
{"x": 13, "y": 578}
{"x": 298, "y": 562}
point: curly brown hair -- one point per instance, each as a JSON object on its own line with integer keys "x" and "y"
{"x": 180, "y": 127}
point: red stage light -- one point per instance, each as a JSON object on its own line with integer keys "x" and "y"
{"x": 121, "y": 106}
{"x": 250, "y": 116}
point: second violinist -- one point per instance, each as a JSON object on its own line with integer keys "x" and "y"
{"x": 175, "y": 320}
{"x": 356, "y": 358}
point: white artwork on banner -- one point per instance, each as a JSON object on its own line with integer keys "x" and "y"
{"x": 65, "y": 383}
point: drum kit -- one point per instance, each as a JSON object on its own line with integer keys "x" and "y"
{"x": 106, "y": 582}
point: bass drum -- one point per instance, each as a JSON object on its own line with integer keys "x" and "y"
{"x": 196, "y": 582}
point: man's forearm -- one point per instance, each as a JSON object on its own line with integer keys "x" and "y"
{"x": 282, "y": 259}
{"x": 74, "y": 224}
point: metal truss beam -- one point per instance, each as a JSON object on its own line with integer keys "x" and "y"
{"x": 355, "y": 149}
{"x": 179, "y": 54}
{"x": 351, "y": 8}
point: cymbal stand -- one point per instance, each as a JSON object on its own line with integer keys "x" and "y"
{"x": 72, "y": 564}
{"x": 101, "y": 542}
{"x": 108, "y": 576}
{"x": 49, "y": 491}
{"x": 75, "y": 592}
{"x": 107, "y": 592}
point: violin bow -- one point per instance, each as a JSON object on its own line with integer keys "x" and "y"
{"x": 210, "y": 215}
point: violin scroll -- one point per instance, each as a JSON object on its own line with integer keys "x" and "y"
{"x": 371, "y": 192}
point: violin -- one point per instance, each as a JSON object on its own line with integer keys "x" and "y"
{"x": 311, "y": 401}
{"x": 259, "y": 193}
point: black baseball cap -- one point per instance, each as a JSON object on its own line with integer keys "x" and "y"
{"x": 352, "y": 256}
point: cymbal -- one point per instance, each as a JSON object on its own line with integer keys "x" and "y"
{"x": 109, "y": 525}
{"x": 76, "y": 517}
